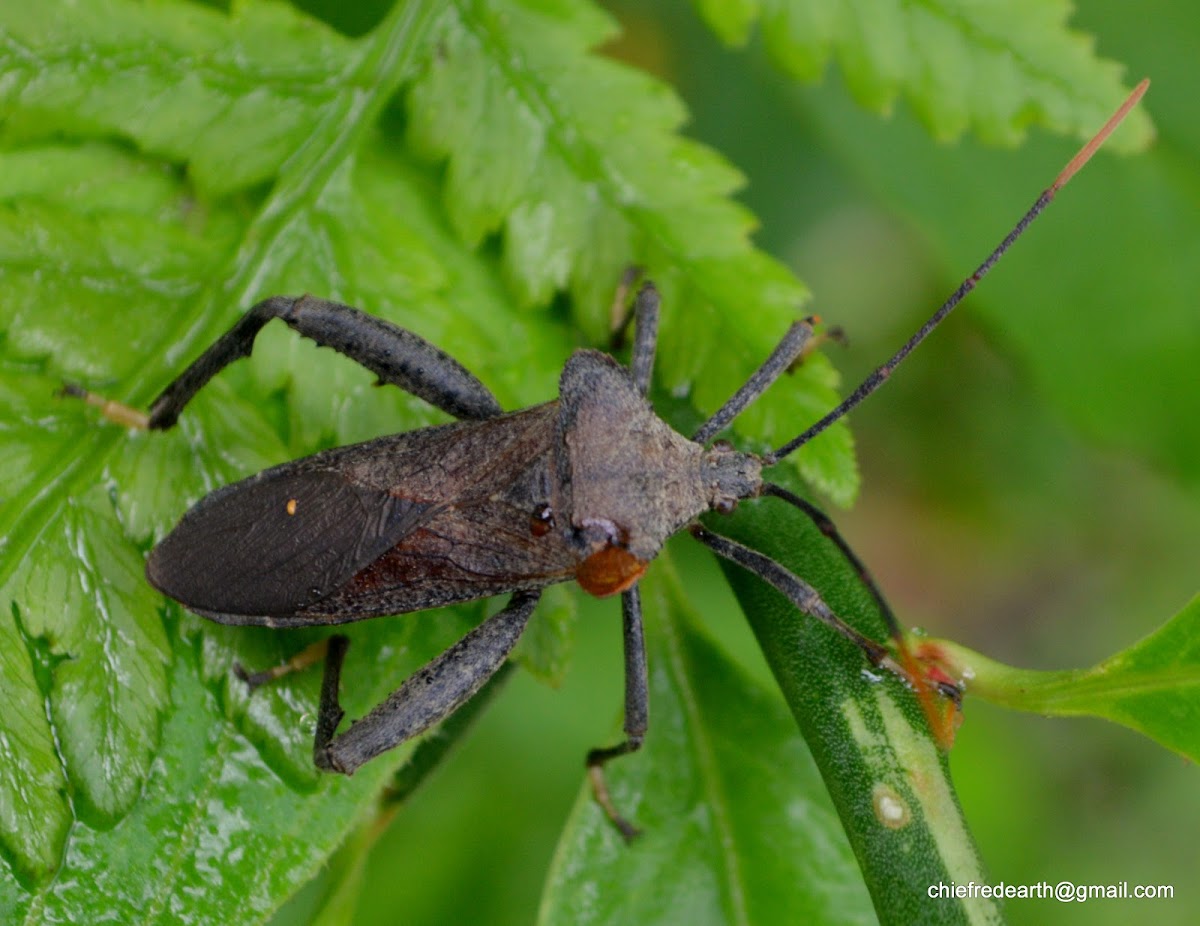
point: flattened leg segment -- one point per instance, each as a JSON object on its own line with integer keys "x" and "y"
{"x": 428, "y": 696}
{"x": 394, "y": 354}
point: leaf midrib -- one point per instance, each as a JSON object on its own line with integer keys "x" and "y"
{"x": 1092, "y": 693}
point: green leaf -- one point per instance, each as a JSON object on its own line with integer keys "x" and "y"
{"x": 104, "y": 253}
{"x": 108, "y": 674}
{"x": 545, "y": 646}
{"x": 866, "y": 733}
{"x": 736, "y": 825}
{"x": 574, "y": 160}
{"x": 991, "y": 68}
{"x": 212, "y": 838}
{"x": 34, "y": 812}
{"x": 1152, "y": 687}
{"x": 188, "y": 67}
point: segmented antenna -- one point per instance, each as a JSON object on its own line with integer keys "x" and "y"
{"x": 876, "y": 379}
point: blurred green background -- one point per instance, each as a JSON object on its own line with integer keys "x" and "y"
{"x": 1042, "y": 509}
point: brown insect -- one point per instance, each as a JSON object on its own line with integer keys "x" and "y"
{"x": 586, "y": 487}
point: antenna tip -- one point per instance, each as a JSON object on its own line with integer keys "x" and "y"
{"x": 1086, "y": 152}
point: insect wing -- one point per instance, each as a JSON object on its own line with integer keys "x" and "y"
{"x": 279, "y": 541}
{"x": 489, "y": 538}
{"x": 481, "y": 547}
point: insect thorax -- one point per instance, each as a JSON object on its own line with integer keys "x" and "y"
{"x": 626, "y": 478}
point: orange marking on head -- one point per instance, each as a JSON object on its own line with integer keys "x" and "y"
{"x": 609, "y": 571}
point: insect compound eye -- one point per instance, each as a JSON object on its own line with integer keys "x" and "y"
{"x": 722, "y": 444}
{"x": 541, "y": 522}
{"x": 725, "y": 505}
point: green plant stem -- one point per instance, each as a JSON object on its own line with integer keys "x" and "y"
{"x": 888, "y": 780}
{"x": 1062, "y": 692}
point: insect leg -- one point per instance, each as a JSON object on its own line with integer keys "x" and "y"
{"x": 829, "y": 529}
{"x": 644, "y": 315}
{"x": 308, "y": 656}
{"x": 637, "y": 710}
{"x": 799, "y": 592}
{"x": 785, "y": 354}
{"x": 395, "y": 355}
{"x": 428, "y": 696}
{"x": 645, "y": 336}
{"x": 116, "y": 412}
{"x": 621, "y": 314}
{"x": 805, "y": 597}
{"x": 330, "y": 713}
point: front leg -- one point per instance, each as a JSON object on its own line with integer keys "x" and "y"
{"x": 645, "y": 337}
{"x": 799, "y": 592}
{"x": 790, "y": 349}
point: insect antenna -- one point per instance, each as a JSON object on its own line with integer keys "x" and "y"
{"x": 793, "y": 346}
{"x": 877, "y": 378}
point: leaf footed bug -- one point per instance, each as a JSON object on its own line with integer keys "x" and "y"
{"x": 586, "y": 487}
